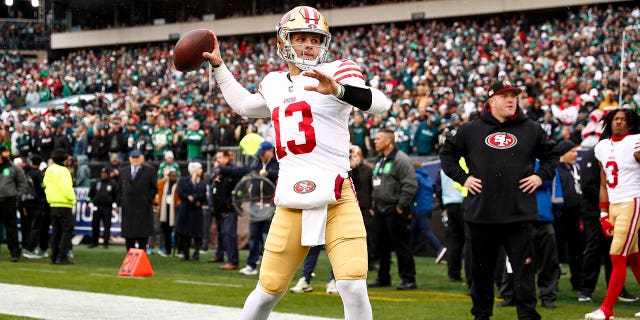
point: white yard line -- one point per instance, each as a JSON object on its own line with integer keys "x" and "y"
{"x": 58, "y": 304}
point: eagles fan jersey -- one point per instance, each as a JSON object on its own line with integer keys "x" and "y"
{"x": 310, "y": 127}
{"x": 620, "y": 167}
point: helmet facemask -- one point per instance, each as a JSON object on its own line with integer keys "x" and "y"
{"x": 303, "y": 20}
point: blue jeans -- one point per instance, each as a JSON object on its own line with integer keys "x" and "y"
{"x": 230, "y": 236}
{"x": 420, "y": 224}
{"x": 257, "y": 233}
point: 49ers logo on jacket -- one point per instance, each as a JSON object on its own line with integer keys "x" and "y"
{"x": 304, "y": 186}
{"x": 501, "y": 140}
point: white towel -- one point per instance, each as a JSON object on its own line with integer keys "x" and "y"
{"x": 312, "y": 192}
{"x": 314, "y": 225}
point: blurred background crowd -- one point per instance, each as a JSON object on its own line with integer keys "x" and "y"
{"x": 436, "y": 72}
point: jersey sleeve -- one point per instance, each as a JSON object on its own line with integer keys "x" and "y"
{"x": 348, "y": 72}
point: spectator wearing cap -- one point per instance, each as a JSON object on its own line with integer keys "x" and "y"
{"x": 58, "y": 186}
{"x": 137, "y": 187}
{"x": 501, "y": 149}
{"x": 568, "y": 216}
{"x": 264, "y": 164}
{"x": 12, "y": 184}
{"x": 34, "y": 208}
{"x": 168, "y": 163}
{"x": 102, "y": 198}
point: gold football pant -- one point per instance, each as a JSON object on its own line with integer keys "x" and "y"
{"x": 346, "y": 243}
{"x": 624, "y": 217}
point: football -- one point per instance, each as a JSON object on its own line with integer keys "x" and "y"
{"x": 187, "y": 54}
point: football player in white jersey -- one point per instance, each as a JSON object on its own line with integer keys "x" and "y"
{"x": 619, "y": 157}
{"x": 310, "y": 107}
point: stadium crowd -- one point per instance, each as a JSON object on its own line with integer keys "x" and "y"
{"x": 437, "y": 74}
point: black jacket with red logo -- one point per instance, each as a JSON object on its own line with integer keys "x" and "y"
{"x": 500, "y": 155}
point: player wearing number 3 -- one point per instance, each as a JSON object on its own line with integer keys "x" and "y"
{"x": 310, "y": 107}
{"x": 619, "y": 157}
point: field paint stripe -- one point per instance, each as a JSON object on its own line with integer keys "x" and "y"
{"x": 59, "y": 304}
{"x": 42, "y": 270}
{"x": 208, "y": 283}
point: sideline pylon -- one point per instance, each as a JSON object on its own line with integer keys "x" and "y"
{"x": 136, "y": 264}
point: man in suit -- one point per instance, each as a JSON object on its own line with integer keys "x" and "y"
{"x": 137, "y": 189}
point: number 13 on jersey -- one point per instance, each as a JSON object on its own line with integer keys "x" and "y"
{"x": 304, "y": 127}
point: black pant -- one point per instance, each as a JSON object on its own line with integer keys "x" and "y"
{"x": 393, "y": 235}
{"x": 25, "y": 225}
{"x": 454, "y": 240}
{"x": 8, "y": 214}
{"x": 568, "y": 233}
{"x": 101, "y": 214}
{"x": 37, "y": 214}
{"x": 131, "y": 243}
{"x": 370, "y": 225}
{"x": 62, "y": 222}
{"x": 546, "y": 261}
{"x": 595, "y": 253}
{"x": 517, "y": 239}
{"x": 166, "y": 232}
{"x": 43, "y": 237}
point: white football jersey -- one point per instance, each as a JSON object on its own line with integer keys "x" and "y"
{"x": 620, "y": 167}
{"x": 310, "y": 128}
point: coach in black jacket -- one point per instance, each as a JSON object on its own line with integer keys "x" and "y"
{"x": 501, "y": 148}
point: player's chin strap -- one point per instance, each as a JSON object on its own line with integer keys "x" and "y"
{"x": 366, "y": 99}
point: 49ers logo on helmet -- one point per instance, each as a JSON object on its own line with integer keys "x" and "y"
{"x": 501, "y": 140}
{"x": 304, "y": 186}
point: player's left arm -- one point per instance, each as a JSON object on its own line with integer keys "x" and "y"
{"x": 350, "y": 88}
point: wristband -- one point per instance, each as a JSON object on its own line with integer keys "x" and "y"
{"x": 217, "y": 65}
{"x": 340, "y": 93}
{"x": 604, "y": 205}
{"x": 604, "y": 214}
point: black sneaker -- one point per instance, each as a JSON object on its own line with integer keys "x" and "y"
{"x": 627, "y": 297}
{"x": 407, "y": 286}
{"x": 377, "y": 284}
{"x": 583, "y": 297}
{"x": 507, "y": 303}
{"x": 14, "y": 259}
{"x": 548, "y": 304}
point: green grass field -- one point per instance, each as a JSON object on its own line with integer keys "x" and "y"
{"x": 201, "y": 282}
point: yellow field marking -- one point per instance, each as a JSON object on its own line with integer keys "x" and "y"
{"x": 208, "y": 283}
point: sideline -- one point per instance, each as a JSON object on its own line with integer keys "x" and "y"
{"x": 59, "y": 304}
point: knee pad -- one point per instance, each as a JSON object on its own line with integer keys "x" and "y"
{"x": 352, "y": 268}
{"x": 273, "y": 282}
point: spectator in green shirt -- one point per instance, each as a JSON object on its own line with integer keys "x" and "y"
{"x": 194, "y": 138}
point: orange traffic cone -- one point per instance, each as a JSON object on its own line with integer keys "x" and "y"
{"x": 136, "y": 264}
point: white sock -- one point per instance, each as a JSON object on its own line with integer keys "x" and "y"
{"x": 259, "y": 304}
{"x": 355, "y": 299}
